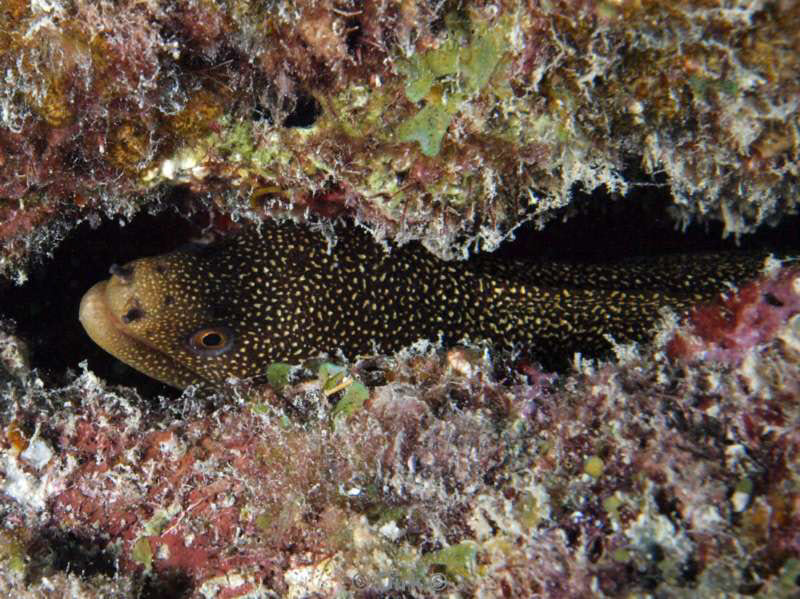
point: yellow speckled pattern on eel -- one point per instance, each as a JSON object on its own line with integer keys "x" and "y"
{"x": 203, "y": 314}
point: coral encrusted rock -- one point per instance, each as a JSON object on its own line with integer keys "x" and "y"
{"x": 450, "y": 122}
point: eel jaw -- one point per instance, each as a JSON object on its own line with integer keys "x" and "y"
{"x": 105, "y": 329}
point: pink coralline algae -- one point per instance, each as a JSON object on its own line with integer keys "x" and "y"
{"x": 209, "y": 483}
{"x": 724, "y": 331}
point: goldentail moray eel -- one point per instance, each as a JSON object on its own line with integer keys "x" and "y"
{"x": 203, "y": 314}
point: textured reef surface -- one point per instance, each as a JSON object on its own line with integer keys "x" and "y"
{"x": 451, "y": 122}
{"x": 669, "y": 470}
{"x": 675, "y": 470}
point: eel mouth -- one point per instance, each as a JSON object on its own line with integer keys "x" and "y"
{"x": 107, "y": 331}
{"x": 95, "y": 315}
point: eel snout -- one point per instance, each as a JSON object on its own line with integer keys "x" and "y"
{"x": 108, "y": 306}
{"x": 98, "y": 321}
{"x": 121, "y": 315}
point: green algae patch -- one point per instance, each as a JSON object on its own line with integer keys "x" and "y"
{"x": 621, "y": 555}
{"x": 352, "y": 401}
{"x": 264, "y": 521}
{"x": 526, "y": 509}
{"x": 745, "y": 485}
{"x": 379, "y": 515}
{"x": 237, "y": 141}
{"x": 482, "y": 58}
{"x": 789, "y": 577}
{"x": 461, "y": 69}
{"x": 262, "y": 409}
{"x": 142, "y": 553}
{"x": 278, "y": 375}
{"x": 611, "y": 505}
{"x": 457, "y": 560}
{"x": 594, "y": 467}
{"x": 427, "y": 128}
{"x": 703, "y": 86}
{"x": 358, "y": 110}
{"x": 330, "y": 375}
{"x": 468, "y": 65}
{"x": 12, "y": 554}
{"x": 158, "y": 522}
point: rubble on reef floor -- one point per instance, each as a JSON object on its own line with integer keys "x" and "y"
{"x": 450, "y": 122}
{"x": 429, "y": 472}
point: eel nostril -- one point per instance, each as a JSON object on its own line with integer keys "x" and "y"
{"x": 123, "y": 272}
{"x": 131, "y": 315}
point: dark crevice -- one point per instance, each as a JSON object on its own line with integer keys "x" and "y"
{"x": 305, "y": 113}
{"x": 55, "y": 550}
{"x": 596, "y": 227}
{"x": 174, "y": 584}
{"x": 354, "y": 35}
{"x": 301, "y": 111}
{"x": 45, "y": 309}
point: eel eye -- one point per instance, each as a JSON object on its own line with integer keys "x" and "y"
{"x": 210, "y": 341}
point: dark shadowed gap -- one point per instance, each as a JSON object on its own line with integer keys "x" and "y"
{"x": 595, "y": 228}
{"x": 298, "y": 112}
{"x": 305, "y": 113}
{"x": 46, "y": 308}
{"x": 53, "y": 550}
{"x": 174, "y": 584}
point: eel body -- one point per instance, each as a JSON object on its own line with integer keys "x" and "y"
{"x": 203, "y": 314}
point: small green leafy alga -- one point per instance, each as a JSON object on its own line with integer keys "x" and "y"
{"x": 462, "y": 69}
